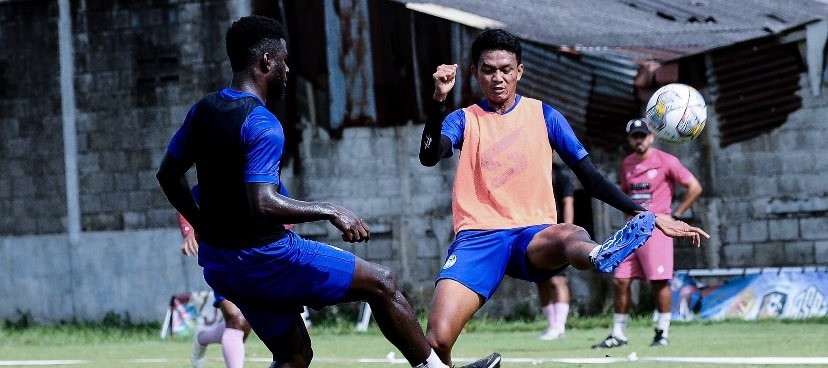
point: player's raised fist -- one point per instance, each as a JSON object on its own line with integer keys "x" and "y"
{"x": 444, "y": 80}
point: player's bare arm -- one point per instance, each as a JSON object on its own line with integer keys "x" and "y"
{"x": 264, "y": 199}
{"x": 171, "y": 177}
{"x": 682, "y": 229}
{"x": 694, "y": 190}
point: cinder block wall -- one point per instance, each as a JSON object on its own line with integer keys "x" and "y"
{"x": 140, "y": 64}
{"x": 32, "y": 190}
{"x": 772, "y": 192}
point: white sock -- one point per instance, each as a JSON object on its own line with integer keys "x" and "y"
{"x": 619, "y": 325}
{"x": 663, "y": 322}
{"x": 594, "y": 253}
{"x": 561, "y": 312}
{"x": 433, "y": 361}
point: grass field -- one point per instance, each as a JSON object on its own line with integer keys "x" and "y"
{"x": 337, "y": 346}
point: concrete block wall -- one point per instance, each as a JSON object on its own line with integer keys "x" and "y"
{"x": 773, "y": 192}
{"x": 32, "y": 186}
{"x": 139, "y": 66}
{"x": 133, "y": 274}
{"x": 375, "y": 172}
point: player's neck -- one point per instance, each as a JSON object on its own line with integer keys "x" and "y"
{"x": 502, "y": 108}
{"x": 242, "y": 83}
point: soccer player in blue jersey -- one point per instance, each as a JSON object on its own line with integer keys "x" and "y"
{"x": 247, "y": 254}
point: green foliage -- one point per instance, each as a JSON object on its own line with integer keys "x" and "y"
{"x": 24, "y": 320}
{"x": 113, "y": 327}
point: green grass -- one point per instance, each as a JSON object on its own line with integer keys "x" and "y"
{"x": 139, "y": 346}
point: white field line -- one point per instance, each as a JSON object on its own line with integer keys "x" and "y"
{"x": 534, "y": 361}
{"x": 20, "y": 363}
{"x": 700, "y": 360}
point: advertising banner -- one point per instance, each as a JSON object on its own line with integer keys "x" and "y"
{"x": 783, "y": 294}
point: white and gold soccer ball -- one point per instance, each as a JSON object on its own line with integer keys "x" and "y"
{"x": 676, "y": 113}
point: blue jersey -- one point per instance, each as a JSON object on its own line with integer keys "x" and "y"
{"x": 261, "y": 135}
{"x": 228, "y": 153}
{"x": 267, "y": 271}
{"x": 561, "y": 136}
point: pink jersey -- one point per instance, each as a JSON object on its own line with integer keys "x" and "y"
{"x": 651, "y": 182}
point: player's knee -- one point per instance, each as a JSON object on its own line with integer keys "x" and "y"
{"x": 385, "y": 282}
{"x": 236, "y": 321}
{"x": 439, "y": 339}
{"x": 572, "y": 230}
{"x": 621, "y": 284}
{"x": 563, "y": 233}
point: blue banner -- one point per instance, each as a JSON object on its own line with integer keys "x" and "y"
{"x": 755, "y": 296}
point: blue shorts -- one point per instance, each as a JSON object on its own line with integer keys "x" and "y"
{"x": 272, "y": 283}
{"x": 479, "y": 259}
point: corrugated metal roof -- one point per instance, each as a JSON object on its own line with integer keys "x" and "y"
{"x": 702, "y": 24}
{"x": 755, "y": 85}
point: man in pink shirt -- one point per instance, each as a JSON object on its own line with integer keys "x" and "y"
{"x": 649, "y": 176}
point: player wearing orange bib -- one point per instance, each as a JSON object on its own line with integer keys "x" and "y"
{"x": 503, "y": 202}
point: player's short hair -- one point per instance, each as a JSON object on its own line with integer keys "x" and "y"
{"x": 250, "y": 37}
{"x": 495, "y": 39}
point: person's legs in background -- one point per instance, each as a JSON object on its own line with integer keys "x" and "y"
{"x": 664, "y": 304}
{"x": 554, "y": 298}
{"x": 235, "y": 333}
{"x": 230, "y": 333}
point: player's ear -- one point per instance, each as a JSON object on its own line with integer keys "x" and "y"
{"x": 265, "y": 63}
{"x": 473, "y": 70}
{"x": 519, "y": 71}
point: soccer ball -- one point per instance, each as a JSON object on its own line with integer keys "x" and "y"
{"x": 676, "y": 113}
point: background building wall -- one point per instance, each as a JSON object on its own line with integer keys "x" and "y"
{"x": 139, "y": 67}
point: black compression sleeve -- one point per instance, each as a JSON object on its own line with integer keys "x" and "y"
{"x": 433, "y": 145}
{"x": 597, "y": 185}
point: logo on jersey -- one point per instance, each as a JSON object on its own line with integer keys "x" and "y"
{"x": 452, "y": 259}
{"x": 513, "y": 164}
{"x": 640, "y": 186}
{"x": 652, "y": 173}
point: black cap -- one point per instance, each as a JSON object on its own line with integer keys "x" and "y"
{"x": 637, "y": 126}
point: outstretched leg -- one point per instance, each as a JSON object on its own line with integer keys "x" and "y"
{"x": 376, "y": 285}
{"x": 558, "y": 245}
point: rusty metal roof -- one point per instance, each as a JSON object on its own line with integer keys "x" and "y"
{"x": 650, "y": 24}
